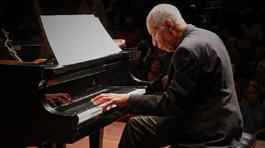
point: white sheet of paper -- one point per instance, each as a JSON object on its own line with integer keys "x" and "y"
{"x": 77, "y": 38}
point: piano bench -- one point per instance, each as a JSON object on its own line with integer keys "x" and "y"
{"x": 249, "y": 141}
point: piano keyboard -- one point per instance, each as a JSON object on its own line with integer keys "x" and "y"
{"x": 94, "y": 111}
{"x": 85, "y": 109}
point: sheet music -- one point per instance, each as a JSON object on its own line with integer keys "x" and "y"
{"x": 77, "y": 38}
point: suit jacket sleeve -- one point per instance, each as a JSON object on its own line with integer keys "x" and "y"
{"x": 184, "y": 75}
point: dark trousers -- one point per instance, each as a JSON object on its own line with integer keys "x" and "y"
{"x": 140, "y": 132}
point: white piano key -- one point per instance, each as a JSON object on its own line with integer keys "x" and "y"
{"x": 95, "y": 111}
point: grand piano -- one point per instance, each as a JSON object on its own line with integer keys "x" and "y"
{"x": 29, "y": 120}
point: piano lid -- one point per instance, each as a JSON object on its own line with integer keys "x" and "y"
{"x": 25, "y": 27}
{"x": 77, "y": 38}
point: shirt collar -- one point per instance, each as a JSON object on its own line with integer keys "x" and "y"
{"x": 186, "y": 31}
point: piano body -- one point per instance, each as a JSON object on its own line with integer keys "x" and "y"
{"x": 29, "y": 119}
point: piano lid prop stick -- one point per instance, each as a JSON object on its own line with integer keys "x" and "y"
{"x": 8, "y": 44}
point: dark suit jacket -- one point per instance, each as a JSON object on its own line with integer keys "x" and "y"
{"x": 199, "y": 106}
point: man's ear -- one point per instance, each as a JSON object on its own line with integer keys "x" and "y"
{"x": 169, "y": 24}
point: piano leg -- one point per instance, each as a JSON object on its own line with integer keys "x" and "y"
{"x": 59, "y": 145}
{"x": 53, "y": 145}
{"x": 96, "y": 139}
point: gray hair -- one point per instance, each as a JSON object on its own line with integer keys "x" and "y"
{"x": 162, "y": 12}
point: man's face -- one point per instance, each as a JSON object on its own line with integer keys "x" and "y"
{"x": 162, "y": 37}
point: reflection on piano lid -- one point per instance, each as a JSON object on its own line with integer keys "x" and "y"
{"x": 85, "y": 109}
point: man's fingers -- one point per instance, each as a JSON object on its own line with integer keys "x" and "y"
{"x": 101, "y": 99}
{"x": 64, "y": 96}
{"x": 96, "y": 98}
{"x": 53, "y": 103}
{"x": 59, "y": 100}
{"x": 107, "y": 105}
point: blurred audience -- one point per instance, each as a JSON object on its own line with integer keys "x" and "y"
{"x": 243, "y": 68}
{"x": 253, "y": 111}
{"x": 140, "y": 55}
{"x": 244, "y": 43}
{"x": 259, "y": 78}
{"x": 253, "y": 30}
{"x": 115, "y": 16}
{"x": 220, "y": 26}
{"x": 259, "y": 56}
{"x": 129, "y": 33}
{"x": 155, "y": 75}
{"x": 164, "y": 81}
{"x": 93, "y": 7}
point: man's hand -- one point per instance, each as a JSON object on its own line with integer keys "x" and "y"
{"x": 61, "y": 98}
{"x": 117, "y": 99}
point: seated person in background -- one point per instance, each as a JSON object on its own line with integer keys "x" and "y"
{"x": 142, "y": 51}
{"x": 237, "y": 86}
{"x": 93, "y": 7}
{"x": 164, "y": 81}
{"x": 259, "y": 78}
{"x": 129, "y": 33}
{"x": 244, "y": 43}
{"x": 253, "y": 30}
{"x": 155, "y": 75}
{"x": 164, "y": 56}
{"x": 58, "y": 99}
{"x": 253, "y": 111}
{"x": 259, "y": 56}
{"x": 231, "y": 42}
{"x": 140, "y": 55}
{"x": 242, "y": 68}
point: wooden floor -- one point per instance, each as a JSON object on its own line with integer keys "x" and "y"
{"x": 112, "y": 135}
{"x": 260, "y": 144}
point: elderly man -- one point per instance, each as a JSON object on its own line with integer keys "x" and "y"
{"x": 199, "y": 106}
